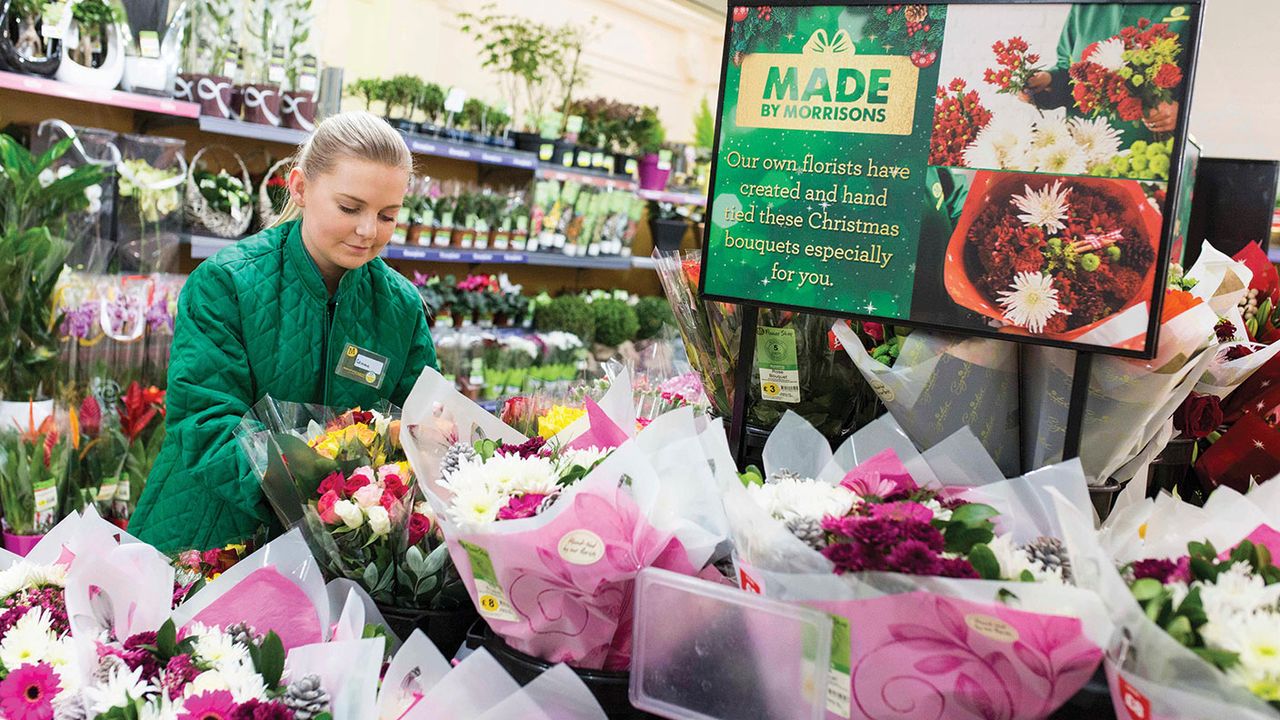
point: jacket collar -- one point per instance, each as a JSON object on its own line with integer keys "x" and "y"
{"x": 305, "y": 268}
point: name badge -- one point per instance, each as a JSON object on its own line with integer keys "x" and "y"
{"x": 362, "y": 366}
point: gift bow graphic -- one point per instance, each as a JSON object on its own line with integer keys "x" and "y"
{"x": 838, "y": 44}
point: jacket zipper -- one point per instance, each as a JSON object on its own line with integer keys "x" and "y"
{"x": 332, "y": 309}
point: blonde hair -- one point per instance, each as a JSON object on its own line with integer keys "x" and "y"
{"x": 356, "y": 134}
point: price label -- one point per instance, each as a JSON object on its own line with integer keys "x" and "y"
{"x": 777, "y": 362}
{"x": 455, "y": 100}
{"x": 573, "y": 124}
{"x": 149, "y": 44}
{"x": 839, "y": 679}
{"x": 491, "y": 600}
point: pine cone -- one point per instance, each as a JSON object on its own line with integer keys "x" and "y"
{"x": 454, "y": 456}
{"x": 1051, "y": 553}
{"x": 306, "y": 698}
{"x": 809, "y": 530}
{"x": 106, "y": 666}
{"x": 70, "y": 706}
{"x": 547, "y": 502}
{"x": 242, "y": 633}
{"x": 783, "y": 474}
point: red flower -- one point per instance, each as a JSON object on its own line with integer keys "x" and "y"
{"x": 357, "y": 480}
{"x": 1168, "y": 76}
{"x": 388, "y": 500}
{"x": 395, "y": 486}
{"x": 90, "y": 416}
{"x": 1235, "y": 352}
{"x": 1130, "y": 109}
{"x": 874, "y": 330}
{"x": 419, "y": 526}
{"x": 522, "y": 506}
{"x": 325, "y": 507}
{"x": 138, "y": 409}
{"x": 1198, "y": 415}
{"x": 335, "y": 483}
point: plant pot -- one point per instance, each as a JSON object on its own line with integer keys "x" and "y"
{"x": 625, "y": 165}
{"x": 213, "y": 92}
{"x": 610, "y": 689}
{"x": 20, "y": 545}
{"x": 584, "y": 157}
{"x": 23, "y": 414}
{"x": 298, "y": 110}
{"x": 262, "y": 103}
{"x": 107, "y": 75}
{"x": 446, "y": 628}
{"x": 1169, "y": 469}
{"x": 652, "y": 177}
{"x": 237, "y": 101}
{"x": 414, "y": 236}
{"x": 529, "y": 142}
{"x": 668, "y": 234}
{"x": 14, "y": 56}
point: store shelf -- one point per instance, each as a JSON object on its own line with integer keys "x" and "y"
{"x": 415, "y": 252}
{"x": 424, "y": 145}
{"x": 253, "y": 131}
{"x": 596, "y": 179}
{"x": 610, "y": 262}
{"x": 679, "y": 198}
{"x": 114, "y": 98}
{"x": 643, "y": 263}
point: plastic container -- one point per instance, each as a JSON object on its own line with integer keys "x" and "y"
{"x": 726, "y": 654}
{"x": 652, "y": 175}
{"x": 20, "y": 545}
{"x": 149, "y": 216}
{"x": 446, "y": 628}
{"x": 90, "y": 231}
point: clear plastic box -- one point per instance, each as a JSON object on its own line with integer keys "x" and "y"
{"x": 712, "y": 652}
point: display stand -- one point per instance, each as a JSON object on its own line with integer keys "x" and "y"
{"x": 742, "y": 382}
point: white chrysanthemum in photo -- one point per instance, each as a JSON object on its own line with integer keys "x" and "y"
{"x": 789, "y": 498}
{"x": 1064, "y": 158}
{"x": 29, "y": 641}
{"x": 1109, "y": 54}
{"x": 1000, "y": 145}
{"x": 585, "y": 457}
{"x": 1031, "y": 301}
{"x": 1051, "y": 129}
{"x": 122, "y": 687}
{"x": 1096, "y": 138}
{"x": 475, "y": 504}
{"x": 1046, "y": 208}
{"x": 1238, "y": 591}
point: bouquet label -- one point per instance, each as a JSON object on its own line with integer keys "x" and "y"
{"x": 490, "y": 600}
{"x": 149, "y": 44}
{"x": 362, "y": 366}
{"x": 107, "y": 491}
{"x": 779, "y": 369}
{"x": 46, "y": 503}
{"x": 839, "y": 677}
{"x": 581, "y": 547}
{"x": 1136, "y": 705}
{"x": 991, "y": 627}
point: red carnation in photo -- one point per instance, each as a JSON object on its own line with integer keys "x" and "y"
{"x": 1169, "y": 76}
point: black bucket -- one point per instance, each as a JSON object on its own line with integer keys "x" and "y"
{"x": 446, "y": 628}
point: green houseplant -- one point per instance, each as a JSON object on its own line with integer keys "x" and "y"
{"x": 34, "y": 204}
{"x": 431, "y": 103}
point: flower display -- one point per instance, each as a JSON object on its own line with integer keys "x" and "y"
{"x": 958, "y": 117}
{"x": 1053, "y": 144}
{"x": 1130, "y": 74}
{"x": 152, "y": 189}
{"x": 1016, "y": 65}
{"x": 1056, "y": 255}
{"x": 225, "y": 193}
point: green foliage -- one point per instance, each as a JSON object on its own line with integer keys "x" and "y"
{"x": 523, "y": 52}
{"x": 704, "y": 127}
{"x": 367, "y": 89}
{"x": 94, "y": 13}
{"x": 473, "y": 114}
{"x": 431, "y": 100}
{"x": 569, "y": 313}
{"x": 400, "y": 93}
{"x": 753, "y": 476}
{"x": 969, "y": 527}
{"x": 616, "y": 322}
{"x": 652, "y": 314}
{"x": 648, "y": 134}
{"x": 758, "y": 34}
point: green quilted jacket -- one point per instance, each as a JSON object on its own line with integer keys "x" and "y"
{"x": 256, "y": 320}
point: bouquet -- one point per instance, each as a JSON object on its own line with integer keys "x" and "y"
{"x": 1017, "y": 66}
{"x": 898, "y": 555}
{"x": 958, "y": 118}
{"x": 710, "y": 329}
{"x": 934, "y": 385}
{"x": 549, "y": 532}
{"x": 37, "y": 658}
{"x": 1056, "y": 144}
{"x": 1130, "y": 74}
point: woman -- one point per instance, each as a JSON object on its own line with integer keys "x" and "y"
{"x": 287, "y": 313}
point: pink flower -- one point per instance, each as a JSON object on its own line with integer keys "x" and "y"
{"x": 913, "y": 558}
{"x": 902, "y": 511}
{"x": 28, "y": 693}
{"x": 522, "y": 507}
{"x": 367, "y": 496}
{"x": 325, "y": 507}
{"x": 209, "y": 705}
{"x": 868, "y": 484}
{"x": 335, "y": 483}
{"x": 874, "y": 330}
{"x": 178, "y": 672}
{"x": 360, "y": 477}
{"x": 390, "y": 470}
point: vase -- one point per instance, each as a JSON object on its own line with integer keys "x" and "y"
{"x": 446, "y": 628}
{"x": 20, "y": 545}
{"x": 109, "y": 71}
{"x": 24, "y": 414}
{"x": 213, "y": 92}
{"x": 652, "y": 175}
{"x": 298, "y": 110}
{"x": 262, "y": 103}
{"x": 610, "y": 689}
{"x": 16, "y": 34}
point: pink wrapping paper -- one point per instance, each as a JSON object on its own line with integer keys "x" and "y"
{"x": 572, "y": 592}
{"x": 602, "y": 431}
{"x": 267, "y": 600}
{"x": 925, "y": 657}
{"x": 1263, "y": 535}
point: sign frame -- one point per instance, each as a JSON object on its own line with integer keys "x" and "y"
{"x": 1162, "y": 260}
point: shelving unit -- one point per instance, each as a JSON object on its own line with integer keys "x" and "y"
{"x": 112, "y": 98}
{"x": 586, "y": 177}
{"x": 679, "y": 198}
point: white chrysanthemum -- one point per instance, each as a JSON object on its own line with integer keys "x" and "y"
{"x": 475, "y": 505}
{"x": 26, "y": 574}
{"x": 1046, "y": 208}
{"x": 1096, "y": 138}
{"x": 939, "y": 512}
{"x": 122, "y": 687}
{"x": 586, "y": 457}
{"x": 29, "y": 641}
{"x": 1000, "y": 146}
{"x": 160, "y": 708}
{"x": 519, "y": 344}
{"x": 1031, "y": 302}
{"x": 1109, "y": 54}
{"x": 218, "y": 650}
{"x": 1064, "y": 158}
{"x": 61, "y": 656}
{"x": 240, "y": 679}
{"x": 1255, "y": 637}
{"x": 790, "y": 498}
{"x": 1238, "y": 591}
{"x": 1051, "y": 129}
{"x": 506, "y": 474}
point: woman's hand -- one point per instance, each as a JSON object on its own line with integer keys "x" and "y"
{"x": 1036, "y": 84}
{"x": 1163, "y": 118}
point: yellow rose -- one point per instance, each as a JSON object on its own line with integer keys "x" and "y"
{"x": 558, "y": 418}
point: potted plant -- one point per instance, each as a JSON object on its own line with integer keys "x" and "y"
{"x": 649, "y": 136}
{"x": 472, "y": 120}
{"x": 218, "y": 202}
{"x": 464, "y": 219}
{"x": 35, "y": 204}
{"x": 24, "y": 46}
{"x": 149, "y": 213}
{"x": 442, "y": 236}
{"x": 298, "y": 99}
{"x": 497, "y": 124}
{"x": 401, "y": 95}
{"x": 93, "y": 47}
{"x": 264, "y": 66}
{"x": 667, "y": 225}
{"x": 430, "y": 101}
{"x": 209, "y": 61}
{"x": 33, "y": 467}
{"x": 367, "y": 89}
{"x": 520, "y": 226}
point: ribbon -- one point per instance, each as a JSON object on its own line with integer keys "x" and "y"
{"x": 207, "y": 89}
{"x": 255, "y": 97}
{"x": 838, "y": 44}
{"x": 290, "y": 105}
{"x": 1098, "y": 242}
{"x": 182, "y": 89}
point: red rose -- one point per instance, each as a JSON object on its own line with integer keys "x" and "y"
{"x": 1168, "y": 77}
{"x": 334, "y": 483}
{"x": 395, "y": 485}
{"x": 325, "y": 507}
{"x": 874, "y": 330}
{"x": 419, "y": 526}
{"x": 1235, "y": 352}
{"x": 1198, "y": 415}
{"x": 1130, "y": 109}
{"x": 388, "y": 500}
{"x": 357, "y": 481}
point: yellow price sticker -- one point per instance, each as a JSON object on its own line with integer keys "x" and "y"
{"x": 488, "y": 603}
{"x": 351, "y": 351}
{"x": 771, "y": 388}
